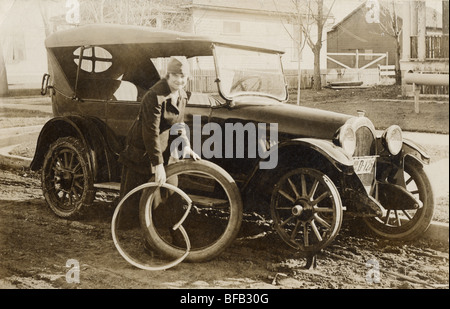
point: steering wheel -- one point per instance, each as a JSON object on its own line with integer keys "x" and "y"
{"x": 247, "y": 83}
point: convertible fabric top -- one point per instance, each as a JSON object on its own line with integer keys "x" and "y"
{"x": 111, "y": 34}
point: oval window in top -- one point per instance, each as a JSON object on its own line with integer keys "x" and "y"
{"x": 95, "y": 59}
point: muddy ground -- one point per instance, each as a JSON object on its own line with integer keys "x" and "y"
{"x": 38, "y": 250}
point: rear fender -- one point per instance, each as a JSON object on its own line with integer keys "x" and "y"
{"x": 54, "y": 129}
{"x": 91, "y": 136}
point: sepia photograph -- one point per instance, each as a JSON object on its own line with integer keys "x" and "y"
{"x": 224, "y": 152}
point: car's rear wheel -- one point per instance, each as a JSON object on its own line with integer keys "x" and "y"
{"x": 407, "y": 224}
{"x": 67, "y": 180}
{"x": 306, "y": 209}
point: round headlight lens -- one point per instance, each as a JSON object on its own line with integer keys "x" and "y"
{"x": 393, "y": 139}
{"x": 347, "y": 139}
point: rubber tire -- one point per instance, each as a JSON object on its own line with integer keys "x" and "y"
{"x": 236, "y": 212}
{"x": 88, "y": 194}
{"x": 422, "y": 218}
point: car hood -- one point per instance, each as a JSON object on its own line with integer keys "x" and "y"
{"x": 295, "y": 120}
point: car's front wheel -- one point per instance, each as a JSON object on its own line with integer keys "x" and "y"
{"x": 306, "y": 209}
{"x": 407, "y": 224}
{"x": 67, "y": 180}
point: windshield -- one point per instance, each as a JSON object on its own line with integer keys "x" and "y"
{"x": 247, "y": 72}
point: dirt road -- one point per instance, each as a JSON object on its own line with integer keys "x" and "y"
{"x": 40, "y": 250}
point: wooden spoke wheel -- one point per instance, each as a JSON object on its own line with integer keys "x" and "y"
{"x": 67, "y": 181}
{"x": 306, "y": 209}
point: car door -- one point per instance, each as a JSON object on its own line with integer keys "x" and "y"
{"x": 239, "y": 141}
{"x": 197, "y": 115}
{"x": 121, "y": 112}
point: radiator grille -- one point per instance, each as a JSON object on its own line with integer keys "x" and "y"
{"x": 365, "y": 142}
{"x": 365, "y": 146}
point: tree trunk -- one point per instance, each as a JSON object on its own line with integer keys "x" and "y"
{"x": 3, "y": 78}
{"x": 398, "y": 72}
{"x": 317, "y": 82}
{"x": 299, "y": 79}
{"x": 317, "y": 78}
{"x": 299, "y": 60}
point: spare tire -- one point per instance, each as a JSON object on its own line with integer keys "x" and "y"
{"x": 214, "y": 220}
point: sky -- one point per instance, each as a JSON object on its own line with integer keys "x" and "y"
{"x": 341, "y": 8}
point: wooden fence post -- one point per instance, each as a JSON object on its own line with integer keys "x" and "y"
{"x": 416, "y": 90}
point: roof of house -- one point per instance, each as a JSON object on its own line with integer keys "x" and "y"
{"x": 433, "y": 17}
{"x": 253, "y": 6}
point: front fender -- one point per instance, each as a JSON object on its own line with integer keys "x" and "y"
{"x": 352, "y": 191}
{"x": 390, "y": 168}
{"x": 326, "y": 149}
{"x": 416, "y": 151}
{"x": 326, "y": 157}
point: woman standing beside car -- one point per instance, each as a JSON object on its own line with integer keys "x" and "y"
{"x": 148, "y": 141}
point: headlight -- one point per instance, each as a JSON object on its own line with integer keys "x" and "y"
{"x": 393, "y": 140}
{"x": 347, "y": 139}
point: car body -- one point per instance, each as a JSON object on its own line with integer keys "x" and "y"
{"x": 363, "y": 174}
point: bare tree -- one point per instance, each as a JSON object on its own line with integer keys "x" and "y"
{"x": 296, "y": 19}
{"x": 318, "y": 19}
{"x": 3, "y": 76}
{"x": 168, "y": 14}
{"x": 306, "y": 16}
{"x": 391, "y": 24}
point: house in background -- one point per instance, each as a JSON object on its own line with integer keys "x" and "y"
{"x": 362, "y": 42}
{"x": 425, "y": 45}
{"x": 265, "y": 21}
{"x": 22, "y": 41}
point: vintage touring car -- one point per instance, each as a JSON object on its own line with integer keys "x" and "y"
{"x": 328, "y": 164}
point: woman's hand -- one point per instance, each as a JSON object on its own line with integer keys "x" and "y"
{"x": 189, "y": 153}
{"x": 160, "y": 174}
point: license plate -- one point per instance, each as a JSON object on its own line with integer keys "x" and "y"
{"x": 363, "y": 165}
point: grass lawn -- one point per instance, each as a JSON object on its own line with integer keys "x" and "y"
{"x": 383, "y": 106}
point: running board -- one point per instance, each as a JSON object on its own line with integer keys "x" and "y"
{"x": 198, "y": 200}
{"x": 113, "y": 186}
{"x": 204, "y": 201}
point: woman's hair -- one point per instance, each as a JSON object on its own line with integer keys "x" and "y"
{"x": 168, "y": 75}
